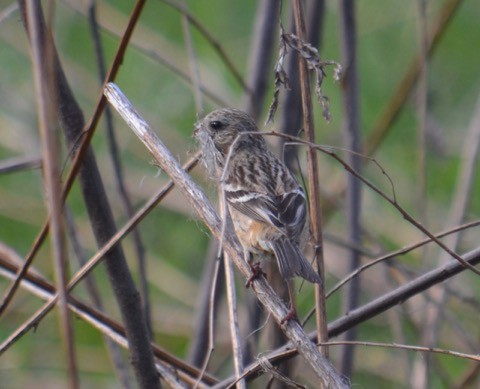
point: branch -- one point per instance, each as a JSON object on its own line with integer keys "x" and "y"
{"x": 200, "y": 203}
{"x": 260, "y": 60}
{"x": 402, "y": 293}
{"x": 368, "y": 311}
{"x": 112, "y": 330}
{"x": 352, "y": 141}
{"x": 314, "y": 205}
{"x": 118, "y": 168}
{"x": 18, "y": 164}
{"x": 210, "y": 38}
{"x": 43, "y": 62}
{"x": 407, "y": 83}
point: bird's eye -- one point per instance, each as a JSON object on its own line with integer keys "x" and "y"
{"x": 216, "y": 125}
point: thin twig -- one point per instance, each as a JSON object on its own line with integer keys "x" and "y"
{"x": 406, "y": 84}
{"x": 107, "y": 326}
{"x": 211, "y": 321}
{"x": 13, "y": 165}
{"x": 118, "y": 361}
{"x": 421, "y": 106}
{"x": 260, "y": 60}
{"x": 194, "y": 70}
{"x": 407, "y": 347}
{"x": 313, "y": 180}
{"x": 290, "y": 111}
{"x": 350, "y": 87}
{"x": 399, "y": 252}
{"x": 80, "y": 151}
{"x": 233, "y": 316}
{"x": 210, "y": 39}
{"x": 118, "y": 169}
{"x": 8, "y": 11}
{"x": 469, "y": 377}
{"x": 110, "y": 27}
{"x": 369, "y": 310}
{"x": 199, "y": 338}
{"x": 43, "y": 69}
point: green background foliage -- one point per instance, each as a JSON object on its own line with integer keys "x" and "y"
{"x": 176, "y": 242}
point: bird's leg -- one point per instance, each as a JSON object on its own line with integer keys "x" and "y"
{"x": 292, "y": 313}
{"x": 254, "y": 268}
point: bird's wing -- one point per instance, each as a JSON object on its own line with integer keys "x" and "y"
{"x": 286, "y": 212}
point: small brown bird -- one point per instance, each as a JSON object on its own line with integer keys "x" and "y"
{"x": 265, "y": 201}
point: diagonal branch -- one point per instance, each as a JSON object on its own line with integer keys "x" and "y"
{"x": 80, "y": 151}
{"x": 370, "y": 310}
{"x": 402, "y": 293}
{"x": 210, "y": 39}
{"x": 200, "y": 203}
{"x": 113, "y": 330}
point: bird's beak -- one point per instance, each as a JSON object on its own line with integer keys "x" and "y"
{"x": 197, "y": 128}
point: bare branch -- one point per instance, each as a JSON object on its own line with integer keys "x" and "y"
{"x": 408, "y": 347}
{"x": 18, "y": 164}
{"x": 261, "y": 56}
{"x": 118, "y": 169}
{"x": 369, "y": 310}
{"x": 233, "y": 319}
{"x": 399, "y": 252}
{"x": 104, "y": 324}
{"x": 315, "y": 210}
{"x": 205, "y": 211}
{"x": 43, "y": 69}
{"x": 352, "y": 141}
{"x": 402, "y": 293}
{"x": 408, "y": 81}
{"x": 210, "y": 39}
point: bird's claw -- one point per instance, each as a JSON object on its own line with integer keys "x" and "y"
{"x": 257, "y": 272}
{"x": 292, "y": 314}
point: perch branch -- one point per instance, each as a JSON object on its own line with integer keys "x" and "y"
{"x": 200, "y": 203}
{"x": 369, "y": 310}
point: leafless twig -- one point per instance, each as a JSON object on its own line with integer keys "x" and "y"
{"x": 19, "y": 164}
{"x": 104, "y": 324}
{"x": 211, "y": 39}
{"x": 409, "y": 347}
{"x": 371, "y": 309}
{"x": 399, "y": 252}
{"x": 43, "y": 68}
{"x": 352, "y": 141}
{"x": 314, "y": 208}
{"x": 261, "y": 56}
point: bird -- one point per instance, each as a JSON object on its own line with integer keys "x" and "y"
{"x": 267, "y": 205}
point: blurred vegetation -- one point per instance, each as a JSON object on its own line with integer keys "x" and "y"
{"x": 176, "y": 243}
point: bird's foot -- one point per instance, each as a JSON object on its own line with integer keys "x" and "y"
{"x": 292, "y": 314}
{"x": 257, "y": 272}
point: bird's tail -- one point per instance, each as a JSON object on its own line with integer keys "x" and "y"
{"x": 292, "y": 262}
